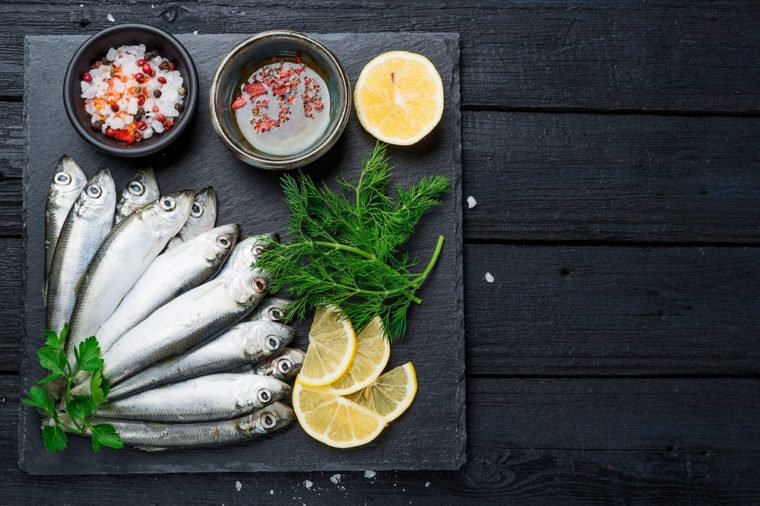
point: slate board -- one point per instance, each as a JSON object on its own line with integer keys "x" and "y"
{"x": 431, "y": 435}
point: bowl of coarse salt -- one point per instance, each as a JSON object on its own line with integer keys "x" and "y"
{"x": 131, "y": 90}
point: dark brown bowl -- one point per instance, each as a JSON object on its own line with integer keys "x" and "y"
{"x": 95, "y": 48}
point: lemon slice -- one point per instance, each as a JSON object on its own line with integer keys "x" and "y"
{"x": 334, "y": 420}
{"x": 399, "y": 97}
{"x": 372, "y": 354}
{"x": 332, "y": 345}
{"x": 391, "y": 394}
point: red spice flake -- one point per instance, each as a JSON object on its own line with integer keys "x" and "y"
{"x": 240, "y": 102}
{"x": 255, "y": 89}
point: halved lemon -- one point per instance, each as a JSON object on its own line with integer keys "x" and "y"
{"x": 335, "y": 420}
{"x": 399, "y": 97}
{"x": 391, "y": 394}
{"x": 372, "y": 354}
{"x": 332, "y": 346}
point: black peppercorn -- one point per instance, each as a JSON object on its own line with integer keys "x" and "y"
{"x": 179, "y": 107}
{"x": 98, "y": 125}
{"x": 157, "y": 93}
{"x": 152, "y": 54}
{"x": 105, "y": 61}
{"x": 138, "y": 117}
{"x": 164, "y": 65}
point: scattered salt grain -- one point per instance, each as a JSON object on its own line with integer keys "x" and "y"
{"x": 110, "y": 18}
{"x": 308, "y": 484}
{"x": 427, "y": 484}
{"x": 489, "y": 277}
{"x": 471, "y": 202}
{"x": 335, "y": 478}
{"x": 195, "y": 32}
{"x": 271, "y": 492}
{"x": 370, "y": 474}
{"x": 238, "y": 486}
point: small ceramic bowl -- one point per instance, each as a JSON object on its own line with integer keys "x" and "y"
{"x": 243, "y": 61}
{"x": 95, "y": 48}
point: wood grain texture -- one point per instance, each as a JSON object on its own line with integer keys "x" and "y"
{"x": 617, "y": 55}
{"x": 579, "y": 177}
{"x": 666, "y": 446}
{"x": 573, "y": 310}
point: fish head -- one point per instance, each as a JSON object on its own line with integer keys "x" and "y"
{"x": 98, "y": 197}
{"x": 203, "y": 213}
{"x": 256, "y": 391}
{"x": 69, "y": 177}
{"x": 142, "y": 188}
{"x": 271, "y": 309}
{"x": 216, "y": 244}
{"x": 166, "y": 215}
{"x": 264, "y": 335}
{"x": 269, "y": 419}
{"x": 283, "y": 365}
{"x": 247, "y": 284}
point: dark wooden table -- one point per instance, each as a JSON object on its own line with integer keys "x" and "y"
{"x": 612, "y": 148}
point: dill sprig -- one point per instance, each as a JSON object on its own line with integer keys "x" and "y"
{"x": 343, "y": 247}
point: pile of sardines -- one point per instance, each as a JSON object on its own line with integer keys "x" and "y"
{"x": 194, "y": 351}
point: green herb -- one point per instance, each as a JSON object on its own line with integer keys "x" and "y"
{"x": 79, "y": 409}
{"x": 344, "y": 246}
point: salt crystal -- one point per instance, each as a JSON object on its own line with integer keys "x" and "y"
{"x": 335, "y": 478}
{"x": 471, "y": 202}
{"x": 489, "y": 277}
{"x": 308, "y": 484}
{"x": 370, "y": 474}
{"x": 110, "y": 18}
{"x": 195, "y": 32}
{"x": 271, "y": 492}
{"x": 427, "y": 484}
{"x": 238, "y": 486}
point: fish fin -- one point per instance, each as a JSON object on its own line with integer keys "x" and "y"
{"x": 150, "y": 448}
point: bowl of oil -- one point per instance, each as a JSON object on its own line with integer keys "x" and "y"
{"x": 279, "y": 100}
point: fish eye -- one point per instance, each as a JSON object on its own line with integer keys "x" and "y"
{"x": 268, "y": 421}
{"x": 136, "y": 188}
{"x": 168, "y": 204}
{"x": 276, "y": 314}
{"x": 94, "y": 191}
{"x": 260, "y": 285}
{"x": 197, "y": 210}
{"x": 264, "y": 396}
{"x": 273, "y": 342}
{"x": 63, "y": 177}
{"x": 223, "y": 241}
{"x": 284, "y": 366}
{"x": 258, "y": 249}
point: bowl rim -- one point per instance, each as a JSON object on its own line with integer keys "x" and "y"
{"x": 135, "y": 150}
{"x": 316, "y": 150}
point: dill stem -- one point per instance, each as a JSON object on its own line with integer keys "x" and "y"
{"x": 436, "y": 253}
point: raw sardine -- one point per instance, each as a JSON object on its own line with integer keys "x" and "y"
{"x": 192, "y": 317}
{"x": 245, "y": 343}
{"x": 84, "y": 230}
{"x": 208, "y": 398}
{"x": 170, "y": 275}
{"x": 122, "y": 258}
{"x": 67, "y": 183}
{"x": 141, "y": 190}
{"x": 283, "y": 365}
{"x": 202, "y": 218}
{"x": 158, "y": 436}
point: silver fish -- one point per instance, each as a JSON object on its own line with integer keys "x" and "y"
{"x": 67, "y": 183}
{"x": 192, "y": 317}
{"x": 141, "y": 190}
{"x": 170, "y": 275}
{"x": 159, "y": 436}
{"x": 245, "y": 343}
{"x": 84, "y": 230}
{"x": 122, "y": 258}
{"x": 204, "y": 399}
{"x": 283, "y": 365}
{"x": 202, "y": 218}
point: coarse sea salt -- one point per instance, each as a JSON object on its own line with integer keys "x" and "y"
{"x": 120, "y": 96}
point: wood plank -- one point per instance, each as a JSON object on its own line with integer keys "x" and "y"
{"x": 610, "y": 310}
{"x": 619, "y": 55}
{"x": 611, "y": 177}
{"x": 573, "y": 310}
{"x": 535, "y": 441}
{"x": 569, "y": 177}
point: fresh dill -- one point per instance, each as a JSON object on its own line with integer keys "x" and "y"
{"x": 344, "y": 246}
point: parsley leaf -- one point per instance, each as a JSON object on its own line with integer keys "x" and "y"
{"x": 88, "y": 356}
{"x": 105, "y": 434}
{"x": 52, "y": 360}
{"x": 54, "y": 438}
{"x": 80, "y": 407}
{"x": 98, "y": 388}
{"x": 39, "y": 398}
